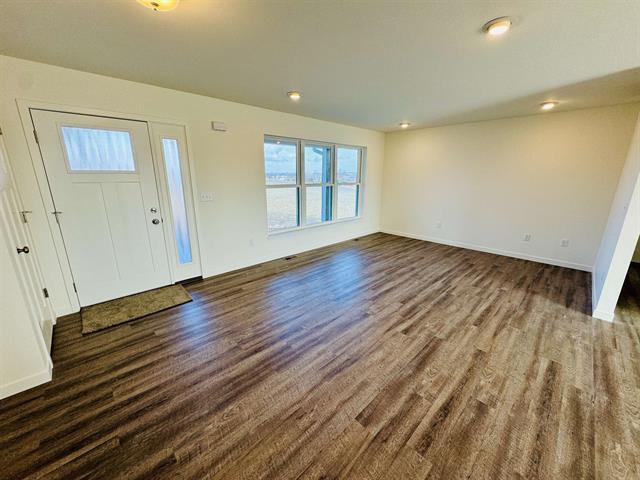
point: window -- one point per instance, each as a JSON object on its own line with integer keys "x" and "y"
{"x": 348, "y": 179}
{"x": 318, "y": 188}
{"x": 310, "y": 183}
{"x": 282, "y": 179}
{"x": 171, "y": 154}
{"x": 98, "y": 150}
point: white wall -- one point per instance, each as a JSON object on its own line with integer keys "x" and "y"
{"x": 232, "y": 228}
{"x": 489, "y": 183}
{"x": 620, "y": 237}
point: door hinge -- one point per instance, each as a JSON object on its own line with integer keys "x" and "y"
{"x": 23, "y": 214}
{"x": 45, "y": 292}
{"x": 74, "y": 287}
{"x": 35, "y": 135}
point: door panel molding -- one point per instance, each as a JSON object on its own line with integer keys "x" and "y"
{"x": 105, "y": 211}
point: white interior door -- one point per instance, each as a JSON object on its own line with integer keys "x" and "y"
{"x": 101, "y": 176}
{"x": 14, "y": 228}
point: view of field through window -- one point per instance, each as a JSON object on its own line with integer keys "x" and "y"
{"x": 283, "y": 192}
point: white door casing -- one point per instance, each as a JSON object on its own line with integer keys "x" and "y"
{"x": 14, "y": 228}
{"x": 180, "y": 217}
{"x": 110, "y": 216}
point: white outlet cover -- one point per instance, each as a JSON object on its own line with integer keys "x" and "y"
{"x": 206, "y": 196}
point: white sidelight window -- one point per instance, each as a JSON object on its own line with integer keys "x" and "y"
{"x": 177, "y": 199}
{"x": 172, "y": 164}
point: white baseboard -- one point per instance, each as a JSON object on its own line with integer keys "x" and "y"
{"x": 269, "y": 258}
{"x": 26, "y": 383}
{"x": 506, "y": 253}
{"x": 61, "y": 312}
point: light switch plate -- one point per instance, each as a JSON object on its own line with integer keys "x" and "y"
{"x": 206, "y": 197}
{"x": 219, "y": 126}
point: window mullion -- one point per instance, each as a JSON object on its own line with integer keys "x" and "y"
{"x": 302, "y": 190}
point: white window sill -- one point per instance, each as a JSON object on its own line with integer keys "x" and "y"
{"x": 274, "y": 233}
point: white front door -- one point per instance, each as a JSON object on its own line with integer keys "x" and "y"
{"x": 13, "y": 227}
{"x": 100, "y": 172}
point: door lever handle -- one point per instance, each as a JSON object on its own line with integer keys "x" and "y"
{"x": 24, "y": 249}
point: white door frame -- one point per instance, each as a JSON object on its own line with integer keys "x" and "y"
{"x": 159, "y": 131}
{"x": 25, "y": 283}
{"x": 46, "y": 201}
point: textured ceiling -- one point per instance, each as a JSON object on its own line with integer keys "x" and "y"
{"x": 366, "y": 63}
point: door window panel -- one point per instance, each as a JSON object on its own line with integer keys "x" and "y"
{"x": 98, "y": 150}
{"x": 171, "y": 154}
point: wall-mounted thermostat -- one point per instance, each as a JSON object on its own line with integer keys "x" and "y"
{"x": 219, "y": 126}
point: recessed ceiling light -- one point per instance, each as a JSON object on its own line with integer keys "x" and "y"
{"x": 548, "y": 105}
{"x": 295, "y": 96}
{"x": 497, "y": 26}
{"x": 404, "y": 124}
{"x": 160, "y": 5}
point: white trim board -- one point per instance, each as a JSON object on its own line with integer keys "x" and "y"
{"x": 279, "y": 256}
{"x": 495, "y": 251}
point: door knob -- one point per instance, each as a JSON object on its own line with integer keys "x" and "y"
{"x": 24, "y": 249}
{"x": 155, "y": 221}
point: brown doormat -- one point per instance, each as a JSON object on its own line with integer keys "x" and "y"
{"x": 121, "y": 310}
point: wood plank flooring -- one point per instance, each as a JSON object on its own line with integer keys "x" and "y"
{"x": 382, "y": 358}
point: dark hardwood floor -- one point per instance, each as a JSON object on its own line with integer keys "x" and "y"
{"x": 380, "y": 358}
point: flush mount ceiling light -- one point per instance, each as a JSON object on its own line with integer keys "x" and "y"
{"x": 295, "y": 96}
{"x": 497, "y": 26}
{"x": 548, "y": 105}
{"x": 404, "y": 124}
{"x": 160, "y": 5}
